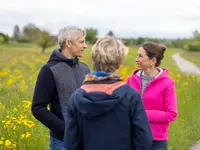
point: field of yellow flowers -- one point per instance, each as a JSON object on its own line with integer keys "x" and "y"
{"x": 18, "y": 72}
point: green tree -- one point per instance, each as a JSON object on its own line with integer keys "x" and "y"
{"x": 45, "y": 40}
{"x": 110, "y": 33}
{"x": 196, "y": 34}
{"x": 1, "y": 38}
{"x": 31, "y": 32}
{"x": 194, "y": 45}
{"x": 91, "y": 35}
{"x": 140, "y": 40}
{"x": 16, "y": 33}
{"x": 4, "y": 39}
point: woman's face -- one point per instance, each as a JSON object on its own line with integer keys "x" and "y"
{"x": 143, "y": 61}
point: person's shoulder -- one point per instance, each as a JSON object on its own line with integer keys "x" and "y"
{"x": 128, "y": 89}
{"x": 77, "y": 94}
{"x": 44, "y": 67}
{"x": 84, "y": 67}
{"x": 131, "y": 90}
{"x": 45, "y": 70}
{"x": 83, "y": 64}
{"x": 131, "y": 95}
{"x": 48, "y": 65}
{"x": 168, "y": 80}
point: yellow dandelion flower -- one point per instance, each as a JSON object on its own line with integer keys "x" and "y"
{"x": 7, "y": 143}
{"x": 25, "y": 122}
{"x": 13, "y": 118}
{"x": 22, "y": 136}
{"x": 20, "y": 117}
{"x": 10, "y": 81}
{"x": 19, "y": 77}
{"x": 27, "y": 105}
{"x": 2, "y": 107}
{"x": 185, "y": 84}
{"x": 27, "y": 135}
{"x": 3, "y": 74}
{"x": 7, "y": 123}
{"x": 15, "y": 109}
{"x": 30, "y": 124}
{"x": 177, "y": 81}
{"x": 178, "y": 76}
{"x": 1, "y": 142}
{"x": 14, "y": 127}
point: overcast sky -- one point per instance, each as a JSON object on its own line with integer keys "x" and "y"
{"x": 126, "y": 18}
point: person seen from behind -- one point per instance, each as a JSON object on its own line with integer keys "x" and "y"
{"x": 105, "y": 113}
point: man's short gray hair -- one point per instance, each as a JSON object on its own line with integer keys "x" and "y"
{"x": 68, "y": 33}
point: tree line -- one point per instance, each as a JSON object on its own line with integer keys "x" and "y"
{"x": 30, "y": 33}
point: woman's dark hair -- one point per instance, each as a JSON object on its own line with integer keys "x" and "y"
{"x": 154, "y": 50}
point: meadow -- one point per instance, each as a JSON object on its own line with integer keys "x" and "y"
{"x": 19, "y": 67}
{"x": 194, "y": 57}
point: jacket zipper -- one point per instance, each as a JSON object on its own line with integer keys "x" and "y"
{"x": 145, "y": 88}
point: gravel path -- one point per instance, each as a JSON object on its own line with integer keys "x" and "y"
{"x": 185, "y": 66}
{"x": 188, "y": 68}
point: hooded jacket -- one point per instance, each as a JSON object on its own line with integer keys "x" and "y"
{"x": 106, "y": 115}
{"x": 159, "y": 100}
{"x": 56, "y": 81}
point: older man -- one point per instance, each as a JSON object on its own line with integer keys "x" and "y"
{"x": 57, "y": 80}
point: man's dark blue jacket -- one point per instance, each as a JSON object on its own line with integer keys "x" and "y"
{"x": 106, "y": 115}
{"x": 56, "y": 81}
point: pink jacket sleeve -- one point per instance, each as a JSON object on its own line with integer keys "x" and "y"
{"x": 170, "y": 106}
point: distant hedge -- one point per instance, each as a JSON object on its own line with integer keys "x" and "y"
{"x": 193, "y": 47}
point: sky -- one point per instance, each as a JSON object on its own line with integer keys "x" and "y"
{"x": 126, "y": 18}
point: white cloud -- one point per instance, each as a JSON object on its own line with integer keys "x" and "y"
{"x": 172, "y": 18}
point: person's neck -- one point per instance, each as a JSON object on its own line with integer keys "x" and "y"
{"x": 66, "y": 53}
{"x": 152, "y": 72}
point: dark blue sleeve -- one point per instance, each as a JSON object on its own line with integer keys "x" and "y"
{"x": 72, "y": 137}
{"x": 142, "y": 136}
{"x": 88, "y": 70}
{"x": 44, "y": 92}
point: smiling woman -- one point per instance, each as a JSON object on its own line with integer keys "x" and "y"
{"x": 157, "y": 90}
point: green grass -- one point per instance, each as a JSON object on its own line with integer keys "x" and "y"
{"x": 194, "y": 57}
{"x": 19, "y": 67}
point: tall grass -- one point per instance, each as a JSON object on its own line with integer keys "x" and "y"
{"x": 18, "y": 72}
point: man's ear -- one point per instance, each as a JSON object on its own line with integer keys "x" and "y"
{"x": 68, "y": 43}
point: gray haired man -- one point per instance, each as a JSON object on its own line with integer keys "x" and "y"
{"x": 57, "y": 80}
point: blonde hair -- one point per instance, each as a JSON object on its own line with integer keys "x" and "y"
{"x": 108, "y": 53}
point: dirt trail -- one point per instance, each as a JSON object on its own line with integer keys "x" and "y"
{"x": 189, "y": 68}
